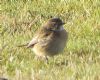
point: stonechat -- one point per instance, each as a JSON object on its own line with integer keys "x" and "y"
{"x": 50, "y": 39}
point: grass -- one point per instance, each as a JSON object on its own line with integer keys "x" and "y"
{"x": 80, "y": 60}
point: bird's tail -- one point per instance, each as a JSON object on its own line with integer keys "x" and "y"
{"x": 23, "y": 45}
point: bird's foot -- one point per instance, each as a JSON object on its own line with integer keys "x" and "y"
{"x": 41, "y": 58}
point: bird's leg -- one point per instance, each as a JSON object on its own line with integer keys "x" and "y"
{"x": 46, "y": 59}
{"x": 37, "y": 58}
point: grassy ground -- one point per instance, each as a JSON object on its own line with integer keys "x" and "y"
{"x": 19, "y": 19}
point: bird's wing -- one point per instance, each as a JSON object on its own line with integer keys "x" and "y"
{"x": 32, "y": 42}
{"x": 40, "y": 37}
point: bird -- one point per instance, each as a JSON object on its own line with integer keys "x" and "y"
{"x": 50, "y": 39}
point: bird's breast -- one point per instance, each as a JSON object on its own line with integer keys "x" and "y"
{"x": 57, "y": 43}
{"x": 53, "y": 44}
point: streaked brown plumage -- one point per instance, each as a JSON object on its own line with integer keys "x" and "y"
{"x": 50, "y": 39}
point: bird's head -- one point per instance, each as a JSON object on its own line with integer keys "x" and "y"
{"x": 54, "y": 24}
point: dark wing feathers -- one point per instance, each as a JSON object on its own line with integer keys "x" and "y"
{"x": 41, "y": 37}
{"x": 32, "y": 42}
